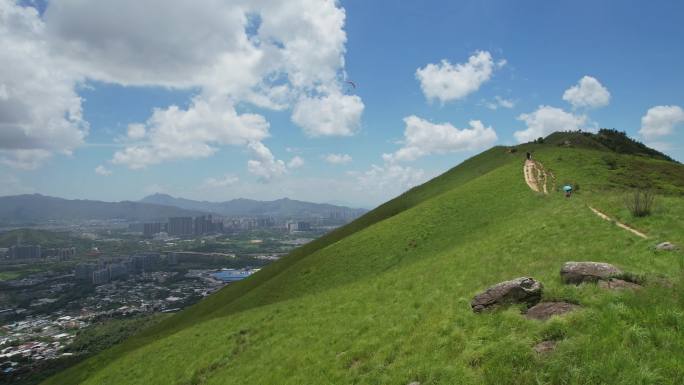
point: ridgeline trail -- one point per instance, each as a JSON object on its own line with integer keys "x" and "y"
{"x": 619, "y": 224}
{"x": 537, "y": 177}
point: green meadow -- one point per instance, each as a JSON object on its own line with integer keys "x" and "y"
{"x": 386, "y": 299}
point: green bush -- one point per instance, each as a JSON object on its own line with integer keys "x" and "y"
{"x": 640, "y": 202}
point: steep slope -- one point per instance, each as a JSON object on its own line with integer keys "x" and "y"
{"x": 386, "y": 299}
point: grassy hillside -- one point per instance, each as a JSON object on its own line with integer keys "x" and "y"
{"x": 385, "y": 300}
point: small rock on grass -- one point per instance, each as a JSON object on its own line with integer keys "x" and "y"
{"x": 520, "y": 290}
{"x": 579, "y": 272}
{"x": 618, "y": 284}
{"x": 666, "y": 246}
{"x": 545, "y": 310}
{"x": 545, "y": 347}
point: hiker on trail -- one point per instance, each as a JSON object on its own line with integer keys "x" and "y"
{"x": 568, "y": 189}
{"x": 529, "y": 156}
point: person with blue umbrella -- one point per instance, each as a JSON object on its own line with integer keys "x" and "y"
{"x": 568, "y": 189}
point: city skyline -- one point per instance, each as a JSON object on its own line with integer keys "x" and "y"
{"x": 316, "y": 101}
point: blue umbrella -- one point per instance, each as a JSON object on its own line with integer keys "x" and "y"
{"x": 567, "y": 188}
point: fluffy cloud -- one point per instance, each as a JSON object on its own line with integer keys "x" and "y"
{"x": 136, "y": 131}
{"x": 264, "y": 165}
{"x": 40, "y": 111}
{"x": 24, "y": 159}
{"x": 338, "y": 158}
{"x": 175, "y": 133}
{"x": 102, "y": 170}
{"x": 389, "y": 179}
{"x": 546, "y": 120}
{"x": 499, "y": 102}
{"x": 224, "y": 181}
{"x": 422, "y": 137}
{"x": 588, "y": 92}
{"x": 268, "y": 53}
{"x": 660, "y": 121}
{"x": 295, "y": 162}
{"x": 331, "y": 115}
{"x": 446, "y": 82}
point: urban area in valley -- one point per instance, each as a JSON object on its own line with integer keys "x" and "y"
{"x": 69, "y": 289}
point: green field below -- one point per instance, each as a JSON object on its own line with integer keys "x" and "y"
{"x": 386, "y": 299}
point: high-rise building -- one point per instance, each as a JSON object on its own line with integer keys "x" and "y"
{"x": 101, "y": 276}
{"x": 144, "y": 262}
{"x": 118, "y": 270}
{"x": 180, "y": 226}
{"x": 149, "y": 229}
{"x": 303, "y": 226}
{"x": 24, "y": 252}
{"x": 202, "y": 225}
{"x": 62, "y": 254}
{"x": 84, "y": 271}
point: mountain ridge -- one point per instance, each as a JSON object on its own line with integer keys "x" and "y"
{"x": 386, "y": 298}
{"x": 283, "y": 207}
{"x": 28, "y": 208}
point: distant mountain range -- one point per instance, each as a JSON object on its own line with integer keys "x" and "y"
{"x": 285, "y": 207}
{"x": 39, "y": 208}
{"x": 31, "y": 208}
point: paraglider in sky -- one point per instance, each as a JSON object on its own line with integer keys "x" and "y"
{"x": 351, "y": 86}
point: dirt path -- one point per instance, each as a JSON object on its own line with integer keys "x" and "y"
{"x": 619, "y": 224}
{"x": 536, "y": 177}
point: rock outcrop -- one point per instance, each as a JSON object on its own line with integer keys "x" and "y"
{"x": 520, "y": 290}
{"x": 545, "y": 310}
{"x": 618, "y": 284}
{"x": 579, "y": 272}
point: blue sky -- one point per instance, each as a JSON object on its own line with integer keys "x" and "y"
{"x": 263, "y": 109}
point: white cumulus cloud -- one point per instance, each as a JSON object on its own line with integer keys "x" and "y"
{"x": 660, "y": 121}
{"x": 268, "y": 53}
{"x": 263, "y": 164}
{"x": 422, "y": 137}
{"x": 136, "y": 131}
{"x": 224, "y": 181}
{"x": 295, "y": 162}
{"x": 330, "y": 115}
{"x": 338, "y": 158}
{"x": 196, "y": 132}
{"x": 102, "y": 170}
{"x": 588, "y": 92}
{"x": 389, "y": 179}
{"x": 40, "y": 111}
{"x": 500, "y": 102}
{"x": 24, "y": 159}
{"x": 445, "y": 81}
{"x": 546, "y": 120}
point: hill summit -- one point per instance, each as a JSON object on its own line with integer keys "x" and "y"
{"x": 388, "y": 298}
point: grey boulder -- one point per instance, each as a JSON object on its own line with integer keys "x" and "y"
{"x": 666, "y": 246}
{"x": 520, "y": 290}
{"x": 545, "y": 310}
{"x": 618, "y": 284}
{"x": 579, "y": 272}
